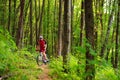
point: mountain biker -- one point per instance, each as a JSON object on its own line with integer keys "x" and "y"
{"x": 43, "y": 46}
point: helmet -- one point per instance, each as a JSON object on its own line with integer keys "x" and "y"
{"x": 41, "y": 37}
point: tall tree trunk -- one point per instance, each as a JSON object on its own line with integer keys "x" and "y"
{"x": 41, "y": 14}
{"x": 82, "y": 22}
{"x": 60, "y": 29}
{"x": 25, "y": 31}
{"x": 36, "y": 20}
{"x": 14, "y": 24}
{"x": 117, "y": 36}
{"x": 89, "y": 28}
{"x": 48, "y": 21}
{"x": 96, "y": 17}
{"x": 20, "y": 24}
{"x": 31, "y": 38}
{"x": 67, "y": 33}
{"x": 9, "y": 16}
{"x": 54, "y": 31}
{"x": 72, "y": 24}
{"x": 101, "y": 19}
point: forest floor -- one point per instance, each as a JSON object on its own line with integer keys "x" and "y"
{"x": 45, "y": 73}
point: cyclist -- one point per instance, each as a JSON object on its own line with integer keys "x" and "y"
{"x": 43, "y": 46}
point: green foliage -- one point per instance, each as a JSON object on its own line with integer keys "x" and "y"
{"x": 80, "y": 49}
{"x": 107, "y": 73}
{"x": 13, "y": 62}
{"x": 7, "y": 57}
{"x": 74, "y": 69}
{"x": 118, "y": 73}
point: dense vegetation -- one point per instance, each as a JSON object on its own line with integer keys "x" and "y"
{"x": 13, "y": 62}
{"x": 104, "y": 71}
{"x": 82, "y": 38}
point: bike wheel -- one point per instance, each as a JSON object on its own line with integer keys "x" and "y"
{"x": 39, "y": 60}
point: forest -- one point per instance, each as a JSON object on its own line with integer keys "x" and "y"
{"x": 83, "y": 39}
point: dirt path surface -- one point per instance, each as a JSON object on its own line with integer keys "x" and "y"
{"x": 45, "y": 73}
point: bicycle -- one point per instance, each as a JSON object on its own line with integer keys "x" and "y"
{"x": 40, "y": 60}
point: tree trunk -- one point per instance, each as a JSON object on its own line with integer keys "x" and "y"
{"x": 67, "y": 33}
{"x": 82, "y": 22}
{"x": 14, "y": 23}
{"x": 96, "y": 27}
{"x": 9, "y": 16}
{"x": 48, "y": 22}
{"x": 53, "y": 30}
{"x": 117, "y": 36}
{"x": 26, "y": 31}
{"x": 89, "y": 28}
{"x": 38, "y": 19}
{"x": 36, "y": 22}
{"x": 101, "y": 19}
{"x": 72, "y": 24}
{"x": 60, "y": 29}
{"x": 20, "y": 25}
{"x": 31, "y": 38}
{"x": 41, "y": 14}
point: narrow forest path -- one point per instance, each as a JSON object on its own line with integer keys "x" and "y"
{"x": 45, "y": 73}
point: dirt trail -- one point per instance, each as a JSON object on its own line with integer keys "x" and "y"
{"x": 45, "y": 73}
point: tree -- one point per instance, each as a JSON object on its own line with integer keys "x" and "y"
{"x": 36, "y": 22}
{"x": 117, "y": 36}
{"x": 14, "y": 23}
{"x": 26, "y": 25}
{"x": 89, "y": 29}
{"x": 20, "y": 25}
{"x": 9, "y": 17}
{"x": 60, "y": 29}
{"x": 72, "y": 24}
{"x": 67, "y": 32}
{"x": 82, "y": 22}
{"x": 41, "y": 14}
{"x": 31, "y": 31}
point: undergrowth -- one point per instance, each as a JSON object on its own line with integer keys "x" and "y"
{"x": 76, "y": 71}
{"x": 16, "y": 64}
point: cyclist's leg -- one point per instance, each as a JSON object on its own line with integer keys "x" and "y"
{"x": 46, "y": 58}
{"x": 44, "y": 55}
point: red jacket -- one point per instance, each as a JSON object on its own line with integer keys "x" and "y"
{"x": 42, "y": 45}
